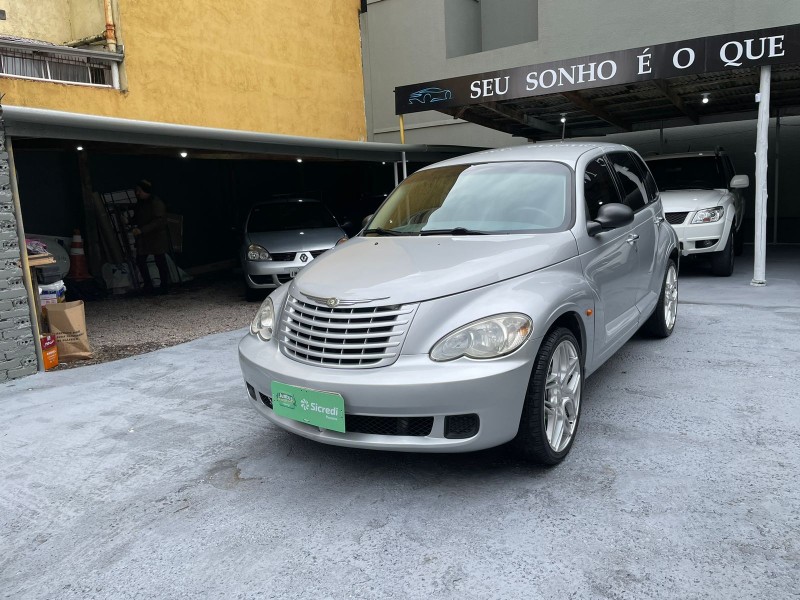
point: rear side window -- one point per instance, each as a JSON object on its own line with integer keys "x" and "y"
{"x": 634, "y": 193}
{"x": 647, "y": 177}
{"x": 598, "y": 187}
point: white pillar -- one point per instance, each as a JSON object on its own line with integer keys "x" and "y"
{"x": 762, "y": 144}
{"x": 405, "y": 166}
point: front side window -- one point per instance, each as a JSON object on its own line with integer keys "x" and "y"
{"x": 598, "y": 187}
{"x": 284, "y": 216}
{"x": 491, "y": 198}
{"x": 634, "y": 193}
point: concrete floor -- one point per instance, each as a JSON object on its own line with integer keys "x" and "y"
{"x": 151, "y": 477}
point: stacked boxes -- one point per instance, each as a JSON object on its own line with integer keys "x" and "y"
{"x": 17, "y": 350}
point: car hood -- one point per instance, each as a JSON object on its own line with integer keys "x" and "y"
{"x": 296, "y": 240}
{"x": 412, "y": 269}
{"x": 690, "y": 200}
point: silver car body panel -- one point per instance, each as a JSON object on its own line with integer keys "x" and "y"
{"x": 609, "y": 282}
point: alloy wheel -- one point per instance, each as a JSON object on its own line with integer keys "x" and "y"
{"x": 562, "y": 395}
{"x": 671, "y": 297}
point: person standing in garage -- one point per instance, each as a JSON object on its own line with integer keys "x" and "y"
{"x": 152, "y": 236}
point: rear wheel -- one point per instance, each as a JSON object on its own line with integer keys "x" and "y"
{"x": 722, "y": 261}
{"x": 553, "y": 400}
{"x": 662, "y": 321}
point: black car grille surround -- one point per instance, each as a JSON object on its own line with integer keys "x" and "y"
{"x": 459, "y": 427}
{"x": 282, "y": 256}
{"x": 344, "y": 336}
{"x": 676, "y": 218}
{"x": 413, "y": 426}
{"x": 316, "y": 253}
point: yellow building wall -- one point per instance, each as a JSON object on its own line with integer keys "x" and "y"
{"x": 87, "y": 17}
{"x": 279, "y": 66}
{"x": 47, "y": 20}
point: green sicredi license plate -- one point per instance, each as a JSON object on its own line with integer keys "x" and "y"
{"x": 320, "y": 409}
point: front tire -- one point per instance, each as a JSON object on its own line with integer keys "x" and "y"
{"x": 662, "y": 322}
{"x": 722, "y": 261}
{"x": 551, "y": 412}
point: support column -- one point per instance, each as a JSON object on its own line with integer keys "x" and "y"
{"x": 762, "y": 145}
{"x": 18, "y": 332}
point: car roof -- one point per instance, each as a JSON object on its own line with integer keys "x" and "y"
{"x": 564, "y": 152}
{"x": 685, "y": 155}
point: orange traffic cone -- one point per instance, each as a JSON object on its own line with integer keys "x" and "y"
{"x": 77, "y": 259}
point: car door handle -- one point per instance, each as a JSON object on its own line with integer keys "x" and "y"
{"x": 632, "y": 238}
{"x": 657, "y": 220}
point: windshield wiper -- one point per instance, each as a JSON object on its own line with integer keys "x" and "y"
{"x": 383, "y": 231}
{"x": 454, "y": 231}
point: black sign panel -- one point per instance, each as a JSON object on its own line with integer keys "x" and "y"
{"x": 703, "y": 55}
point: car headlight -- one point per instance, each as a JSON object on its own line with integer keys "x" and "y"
{"x": 257, "y": 253}
{"x": 488, "y": 338}
{"x": 709, "y": 215}
{"x": 264, "y": 322}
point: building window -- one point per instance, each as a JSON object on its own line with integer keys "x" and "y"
{"x": 479, "y": 25}
{"x": 53, "y": 63}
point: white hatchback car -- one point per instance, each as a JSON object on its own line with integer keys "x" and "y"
{"x": 703, "y": 202}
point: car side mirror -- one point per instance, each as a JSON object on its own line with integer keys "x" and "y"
{"x": 610, "y": 216}
{"x": 739, "y": 182}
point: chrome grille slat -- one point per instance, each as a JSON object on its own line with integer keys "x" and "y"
{"x": 347, "y": 325}
{"x": 348, "y": 312}
{"x": 344, "y": 336}
{"x": 332, "y": 346}
{"x": 322, "y": 331}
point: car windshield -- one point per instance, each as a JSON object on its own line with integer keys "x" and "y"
{"x": 295, "y": 214}
{"x": 688, "y": 173}
{"x": 489, "y": 198}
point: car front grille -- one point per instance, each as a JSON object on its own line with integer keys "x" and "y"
{"x": 676, "y": 218}
{"x": 413, "y": 426}
{"x": 282, "y": 256}
{"x": 344, "y": 337}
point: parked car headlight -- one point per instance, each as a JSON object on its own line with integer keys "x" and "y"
{"x": 264, "y": 322}
{"x": 709, "y": 215}
{"x": 256, "y": 252}
{"x": 488, "y": 338}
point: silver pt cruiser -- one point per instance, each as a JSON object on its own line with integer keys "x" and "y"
{"x": 471, "y": 308}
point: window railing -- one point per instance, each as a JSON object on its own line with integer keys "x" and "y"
{"x": 30, "y": 60}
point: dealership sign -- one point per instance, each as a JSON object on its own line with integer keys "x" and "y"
{"x": 661, "y": 61}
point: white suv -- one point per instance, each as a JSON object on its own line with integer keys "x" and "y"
{"x": 703, "y": 202}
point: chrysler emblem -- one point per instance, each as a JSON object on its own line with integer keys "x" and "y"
{"x": 333, "y": 302}
{"x": 303, "y": 257}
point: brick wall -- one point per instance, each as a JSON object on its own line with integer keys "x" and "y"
{"x": 17, "y": 350}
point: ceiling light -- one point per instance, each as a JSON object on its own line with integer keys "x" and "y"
{"x": 705, "y": 98}
{"x": 79, "y": 148}
{"x": 563, "y": 118}
{"x": 184, "y": 154}
{"x": 299, "y": 160}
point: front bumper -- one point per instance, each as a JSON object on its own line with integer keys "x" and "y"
{"x": 272, "y": 273}
{"x": 414, "y": 386}
{"x": 702, "y": 238}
